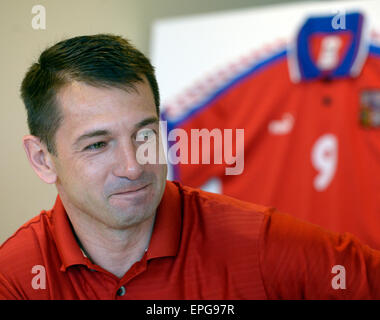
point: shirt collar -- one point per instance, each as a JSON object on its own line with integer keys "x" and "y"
{"x": 329, "y": 47}
{"x": 68, "y": 247}
{"x": 167, "y": 227}
{"x": 164, "y": 240}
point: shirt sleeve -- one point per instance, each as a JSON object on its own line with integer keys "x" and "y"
{"x": 300, "y": 260}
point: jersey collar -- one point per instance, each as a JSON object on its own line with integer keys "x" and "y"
{"x": 311, "y": 54}
{"x": 164, "y": 240}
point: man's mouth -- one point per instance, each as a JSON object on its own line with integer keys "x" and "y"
{"x": 132, "y": 191}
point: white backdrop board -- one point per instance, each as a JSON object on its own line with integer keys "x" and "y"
{"x": 186, "y": 50}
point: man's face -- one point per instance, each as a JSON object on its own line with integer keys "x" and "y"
{"x": 97, "y": 171}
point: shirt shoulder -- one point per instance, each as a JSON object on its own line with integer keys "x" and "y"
{"x": 226, "y": 225}
{"x": 22, "y": 252}
{"x": 216, "y": 206}
{"x": 210, "y": 200}
{"x": 26, "y": 236}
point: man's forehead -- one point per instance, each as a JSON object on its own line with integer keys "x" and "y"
{"x": 76, "y": 94}
{"x": 78, "y": 97}
{"x": 84, "y": 106}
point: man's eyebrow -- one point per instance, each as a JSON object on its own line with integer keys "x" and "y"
{"x": 103, "y": 132}
{"x": 146, "y": 121}
{"x": 91, "y": 134}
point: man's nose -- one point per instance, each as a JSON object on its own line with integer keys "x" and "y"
{"x": 126, "y": 164}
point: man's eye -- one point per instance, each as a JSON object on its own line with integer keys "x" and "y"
{"x": 145, "y": 135}
{"x": 96, "y": 146}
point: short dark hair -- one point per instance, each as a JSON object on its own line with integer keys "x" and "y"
{"x": 99, "y": 60}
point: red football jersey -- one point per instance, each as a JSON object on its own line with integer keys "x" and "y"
{"x": 311, "y": 120}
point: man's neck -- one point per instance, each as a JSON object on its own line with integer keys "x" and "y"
{"x": 113, "y": 250}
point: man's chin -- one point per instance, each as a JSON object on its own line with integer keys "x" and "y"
{"x": 126, "y": 212}
{"x": 130, "y": 218}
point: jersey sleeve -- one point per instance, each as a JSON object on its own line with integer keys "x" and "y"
{"x": 300, "y": 260}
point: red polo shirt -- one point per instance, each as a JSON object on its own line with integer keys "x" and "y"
{"x": 203, "y": 246}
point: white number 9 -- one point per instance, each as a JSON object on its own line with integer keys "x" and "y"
{"x": 324, "y": 157}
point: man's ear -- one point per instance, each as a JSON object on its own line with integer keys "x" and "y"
{"x": 39, "y": 158}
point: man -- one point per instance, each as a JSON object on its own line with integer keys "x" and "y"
{"x": 119, "y": 230}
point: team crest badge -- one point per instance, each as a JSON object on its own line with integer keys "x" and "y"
{"x": 370, "y": 108}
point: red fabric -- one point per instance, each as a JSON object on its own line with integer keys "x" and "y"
{"x": 203, "y": 246}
